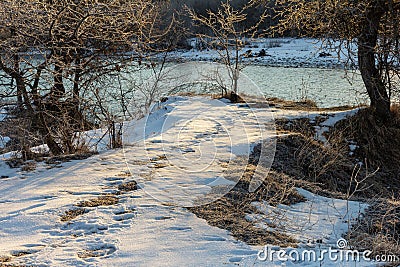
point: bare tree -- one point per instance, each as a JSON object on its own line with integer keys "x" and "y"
{"x": 227, "y": 30}
{"x": 52, "y": 52}
{"x": 372, "y": 24}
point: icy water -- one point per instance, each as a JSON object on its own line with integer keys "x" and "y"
{"x": 328, "y": 87}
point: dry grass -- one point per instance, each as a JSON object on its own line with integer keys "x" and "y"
{"x": 124, "y": 174}
{"x": 67, "y": 158}
{"x": 229, "y": 212}
{"x": 378, "y": 148}
{"x": 29, "y": 166}
{"x": 96, "y": 252}
{"x": 306, "y": 105}
{"x": 379, "y": 142}
{"x": 105, "y": 200}
{"x": 303, "y": 158}
{"x": 72, "y": 214}
{"x": 129, "y": 186}
{"x": 300, "y": 126}
{"x": 230, "y": 215}
{"x": 87, "y": 254}
{"x": 5, "y": 260}
{"x": 20, "y": 253}
{"x": 159, "y": 157}
{"x": 378, "y": 229}
{"x": 329, "y": 170}
{"x": 160, "y": 165}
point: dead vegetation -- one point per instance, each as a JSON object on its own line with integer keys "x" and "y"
{"x": 5, "y": 260}
{"x": 378, "y": 142}
{"x": 100, "y": 251}
{"x": 231, "y": 215}
{"x": 129, "y": 186}
{"x": 45, "y": 158}
{"x": 104, "y": 200}
{"x": 370, "y": 172}
{"x": 72, "y": 214}
{"x": 326, "y": 169}
{"x": 378, "y": 229}
{"x": 305, "y": 105}
{"x": 230, "y": 211}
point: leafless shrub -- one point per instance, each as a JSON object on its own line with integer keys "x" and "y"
{"x": 226, "y": 35}
{"x": 52, "y": 55}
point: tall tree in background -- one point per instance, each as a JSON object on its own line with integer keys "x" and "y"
{"x": 372, "y": 24}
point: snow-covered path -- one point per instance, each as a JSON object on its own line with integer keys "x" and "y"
{"x": 139, "y": 230}
{"x": 148, "y": 226}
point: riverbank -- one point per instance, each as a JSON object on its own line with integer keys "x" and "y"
{"x": 271, "y": 52}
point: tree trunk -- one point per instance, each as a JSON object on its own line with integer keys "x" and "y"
{"x": 58, "y": 89}
{"x": 19, "y": 92}
{"x": 54, "y": 148}
{"x": 380, "y": 100}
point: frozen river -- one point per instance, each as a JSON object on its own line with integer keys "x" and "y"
{"x": 328, "y": 87}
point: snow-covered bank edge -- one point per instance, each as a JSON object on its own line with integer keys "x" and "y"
{"x": 273, "y": 52}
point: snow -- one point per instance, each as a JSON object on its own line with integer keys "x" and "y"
{"x": 319, "y": 218}
{"x": 331, "y": 121}
{"x": 175, "y": 154}
{"x": 195, "y": 135}
{"x": 283, "y": 52}
{"x": 4, "y": 140}
{"x": 317, "y": 223}
{"x": 3, "y": 114}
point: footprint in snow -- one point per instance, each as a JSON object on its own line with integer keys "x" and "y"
{"x": 180, "y": 228}
{"x": 100, "y": 250}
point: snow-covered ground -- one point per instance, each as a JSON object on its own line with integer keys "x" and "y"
{"x": 286, "y": 52}
{"x": 175, "y": 156}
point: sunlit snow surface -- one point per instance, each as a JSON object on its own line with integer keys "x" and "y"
{"x": 141, "y": 230}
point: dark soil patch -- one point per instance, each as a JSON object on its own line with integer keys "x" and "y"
{"x": 72, "y": 214}
{"x": 105, "y": 200}
{"x": 67, "y": 158}
{"x": 127, "y": 187}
